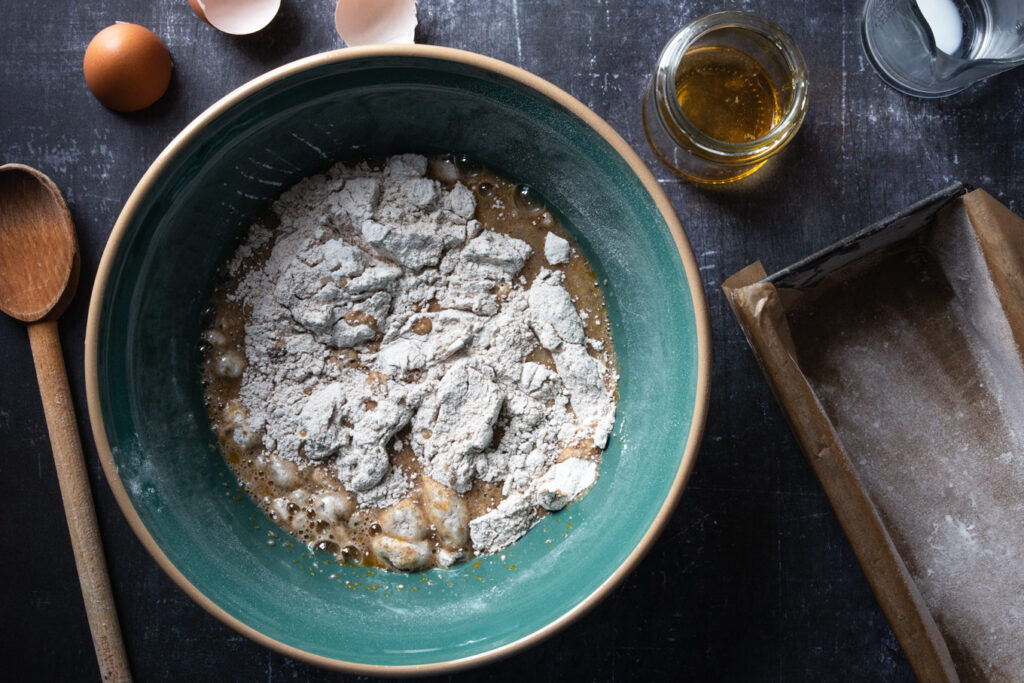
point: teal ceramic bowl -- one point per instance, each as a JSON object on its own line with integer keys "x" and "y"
{"x": 145, "y": 400}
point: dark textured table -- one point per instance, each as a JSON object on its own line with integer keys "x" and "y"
{"x": 752, "y": 579}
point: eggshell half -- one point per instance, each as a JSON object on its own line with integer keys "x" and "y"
{"x": 369, "y": 22}
{"x": 237, "y": 17}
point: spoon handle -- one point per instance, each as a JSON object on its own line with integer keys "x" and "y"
{"x": 78, "y": 503}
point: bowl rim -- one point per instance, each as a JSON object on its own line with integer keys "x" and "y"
{"x": 589, "y": 118}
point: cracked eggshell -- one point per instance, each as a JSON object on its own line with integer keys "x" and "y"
{"x": 371, "y": 23}
{"x": 237, "y": 17}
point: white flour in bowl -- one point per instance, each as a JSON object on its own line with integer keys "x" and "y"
{"x": 386, "y": 318}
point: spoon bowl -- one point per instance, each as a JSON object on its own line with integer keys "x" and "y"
{"x": 38, "y": 249}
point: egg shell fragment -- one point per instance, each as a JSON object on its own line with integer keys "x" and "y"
{"x": 237, "y": 17}
{"x": 373, "y": 23}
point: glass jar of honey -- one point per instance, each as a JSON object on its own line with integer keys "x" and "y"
{"x": 728, "y": 92}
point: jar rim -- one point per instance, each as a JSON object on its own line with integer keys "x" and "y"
{"x": 668, "y": 65}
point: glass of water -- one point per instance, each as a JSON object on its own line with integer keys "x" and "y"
{"x": 932, "y": 48}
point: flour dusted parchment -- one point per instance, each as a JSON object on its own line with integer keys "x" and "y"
{"x": 383, "y": 308}
{"x": 915, "y": 363}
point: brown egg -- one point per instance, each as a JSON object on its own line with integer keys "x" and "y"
{"x": 127, "y": 67}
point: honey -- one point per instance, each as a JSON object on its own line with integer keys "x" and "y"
{"x": 726, "y": 94}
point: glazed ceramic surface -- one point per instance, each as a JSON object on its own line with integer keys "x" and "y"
{"x": 185, "y": 218}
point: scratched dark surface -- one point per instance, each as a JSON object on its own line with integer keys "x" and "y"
{"x": 752, "y": 579}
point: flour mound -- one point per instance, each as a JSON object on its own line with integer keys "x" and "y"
{"x": 384, "y": 306}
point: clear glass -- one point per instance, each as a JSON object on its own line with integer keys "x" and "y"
{"x": 694, "y": 153}
{"x": 932, "y": 48}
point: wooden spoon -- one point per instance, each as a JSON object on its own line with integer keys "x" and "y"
{"x": 38, "y": 274}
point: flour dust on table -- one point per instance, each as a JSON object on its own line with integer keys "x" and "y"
{"x": 408, "y": 362}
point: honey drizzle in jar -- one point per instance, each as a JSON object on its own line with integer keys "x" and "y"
{"x": 726, "y": 94}
{"x": 502, "y": 206}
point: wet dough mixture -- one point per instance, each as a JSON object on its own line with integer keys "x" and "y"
{"x": 408, "y": 363}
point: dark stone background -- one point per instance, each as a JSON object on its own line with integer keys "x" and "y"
{"x": 752, "y": 579}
